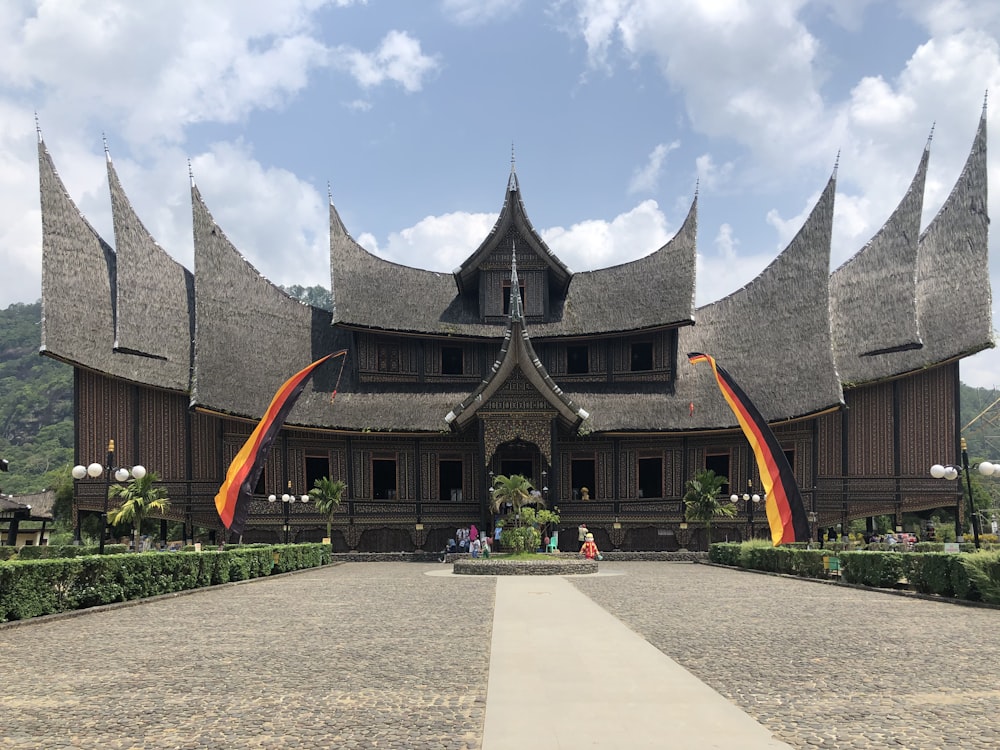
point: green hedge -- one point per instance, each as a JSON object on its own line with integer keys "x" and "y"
{"x": 67, "y": 550}
{"x": 972, "y": 576}
{"x": 30, "y": 588}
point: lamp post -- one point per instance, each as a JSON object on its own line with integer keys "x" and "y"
{"x": 286, "y": 501}
{"x": 120, "y": 473}
{"x": 950, "y": 472}
{"x": 750, "y": 499}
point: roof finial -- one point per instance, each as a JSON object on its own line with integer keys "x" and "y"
{"x": 107, "y": 151}
{"x": 329, "y": 192}
{"x": 190, "y": 173}
{"x": 930, "y": 137}
{"x": 38, "y": 127}
{"x": 986, "y": 97}
{"x": 515, "y": 291}
{"x": 697, "y": 187}
{"x": 512, "y": 156}
{"x": 836, "y": 164}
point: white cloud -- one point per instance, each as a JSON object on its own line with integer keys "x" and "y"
{"x": 476, "y": 12}
{"x": 159, "y": 66}
{"x": 398, "y": 59}
{"x": 597, "y": 243}
{"x": 645, "y": 179}
{"x": 438, "y": 243}
{"x": 275, "y": 219}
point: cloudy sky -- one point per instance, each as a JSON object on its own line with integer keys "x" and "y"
{"x": 408, "y": 114}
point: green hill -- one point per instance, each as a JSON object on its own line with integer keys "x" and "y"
{"x": 36, "y": 405}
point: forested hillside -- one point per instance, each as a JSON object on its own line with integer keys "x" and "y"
{"x": 36, "y": 404}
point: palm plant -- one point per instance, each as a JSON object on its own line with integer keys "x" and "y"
{"x": 140, "y": 498}
{"x": 704, "y": 501}
{"x": 516, "y": 490}
{"x": 327, "y": 494}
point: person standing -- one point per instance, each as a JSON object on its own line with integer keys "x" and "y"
{"x": 589, "y": 549}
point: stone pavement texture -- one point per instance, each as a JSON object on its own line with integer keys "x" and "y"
{"x": 398, "y": 655}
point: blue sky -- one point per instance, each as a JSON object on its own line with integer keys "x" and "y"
{"x": 614, "y": 109}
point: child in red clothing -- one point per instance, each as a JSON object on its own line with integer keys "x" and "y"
{"x": 589, "y": 549}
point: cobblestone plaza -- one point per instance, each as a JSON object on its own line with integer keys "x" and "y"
{"x": 397, "y": 655}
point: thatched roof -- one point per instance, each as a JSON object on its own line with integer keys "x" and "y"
{"x": 881, "y": 276}
{"x": 654, "y": 291}
{"x": 782, "y": 336}
{"x": 514, "y": 216}
{"x": 952, "y": 297}
{"x": 79, "y": 289}
{"x": 155, "y": 298}
{"x": 249, "y": 335}
{"x": 773, "y": 336}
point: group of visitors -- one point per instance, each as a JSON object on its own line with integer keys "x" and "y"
{"x": 469, "y": 539}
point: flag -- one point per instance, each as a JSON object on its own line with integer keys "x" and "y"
{"x": 786, "y": 513}
{"x": 233, "y": 499}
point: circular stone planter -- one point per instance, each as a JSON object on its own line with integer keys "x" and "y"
{"x": 499, "y": 566}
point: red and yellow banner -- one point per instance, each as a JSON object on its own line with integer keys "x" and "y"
{"x": 233, "y": 499}
{"x": 786, "y": 513}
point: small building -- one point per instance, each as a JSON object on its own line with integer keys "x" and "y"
{"x": 23, "y": 519}
{"x": 515, "y": 364}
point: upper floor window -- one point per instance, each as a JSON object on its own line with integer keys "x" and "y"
{"x": 577, "y": 360}
{"x": 388, "y": 357}
{"x": 642, "y": 356}
{"x": 651, "y": 477}
{"x": 451, "y": 360}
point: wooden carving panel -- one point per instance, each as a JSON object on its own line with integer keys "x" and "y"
{"x": 870, "y": 430}
{"x": 927, "y": 420}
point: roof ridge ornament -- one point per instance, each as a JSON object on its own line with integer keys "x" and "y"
{"x": 107, "y": 151}
{"x": 512, "y": 180}
{"x": 930, "y": 137}
{"x": 38, "y": 127}
{"x": 836, "y": 164}
{"x": 190, "y": 172}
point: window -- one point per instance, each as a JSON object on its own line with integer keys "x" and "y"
{"x": 719, "y": 463}
{"x": 388, "y": 357}
{"x": 577, "y": 360}
{"x": 651, "y": 477}
{"x": 642, "y": 356}
{"x": 317, "y": 467}
{"x": 506, "y": 297}
{"x": 583, "y": 478}
{"x": 450, "y": 480}
{"x": 384, "y": 479}
{"x": 451, "y": 360}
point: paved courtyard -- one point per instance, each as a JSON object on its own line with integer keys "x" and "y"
{"x": 397, "y": 655}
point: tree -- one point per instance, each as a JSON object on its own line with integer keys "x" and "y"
{"x": 516, "y": 490}
{"x": 703, "y": 500}
{"x": 140, "y": 498}
{"x": 327, "y": 494}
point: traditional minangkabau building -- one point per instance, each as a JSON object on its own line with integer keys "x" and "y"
{"x": 514, "y": 364}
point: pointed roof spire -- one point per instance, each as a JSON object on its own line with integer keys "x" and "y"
{"x": 190, "y": 173}
{"x": 515, "y": 291}
{"x": 107, "y": 151}
{"x": 512, "y": 180}
{"x": 329, "y": 192}
{"x": 930, "y": 137}
{"x": 38, "y": 127}
{"x": 986, "y": 97}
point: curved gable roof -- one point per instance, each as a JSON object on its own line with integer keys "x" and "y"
{"x": 516, "y": 353}
{"x": 249, "y": 335}
{"x": 512, "y": 215}
{"x": 155, "y": 297}
{"x": 882, "y": 275}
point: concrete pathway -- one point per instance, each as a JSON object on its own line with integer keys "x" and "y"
{"x": 626, "y": 694}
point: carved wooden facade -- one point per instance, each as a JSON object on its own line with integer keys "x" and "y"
{"x": 514, "y": 364}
